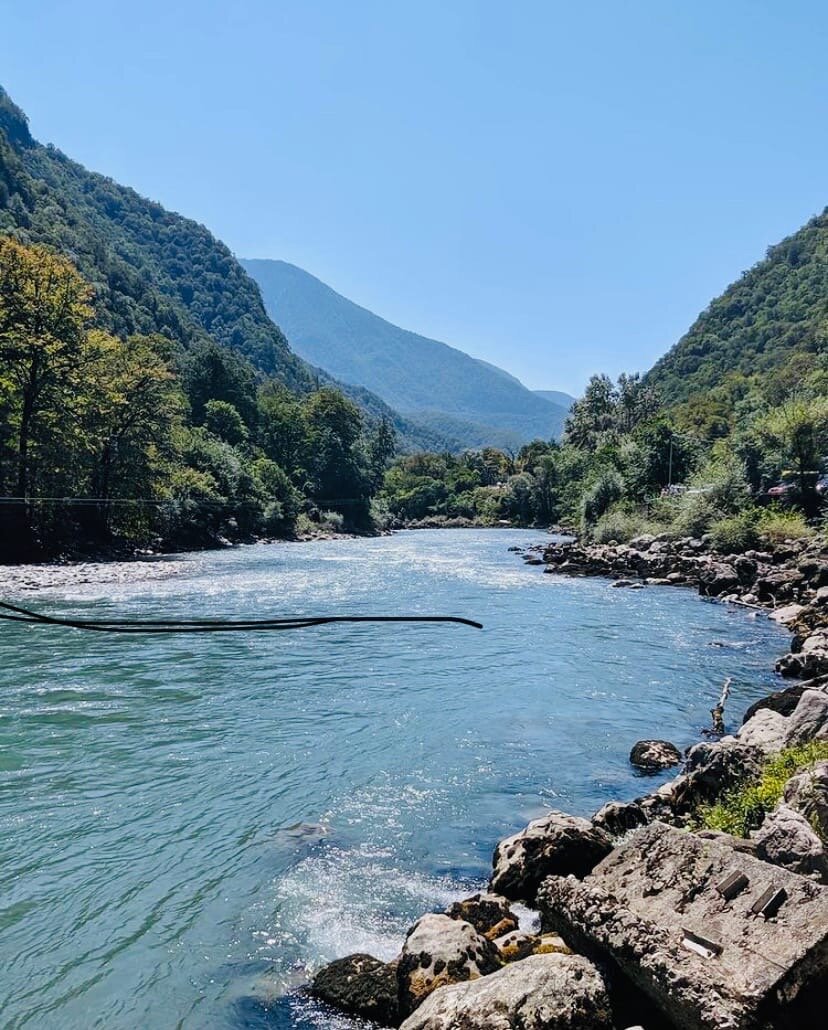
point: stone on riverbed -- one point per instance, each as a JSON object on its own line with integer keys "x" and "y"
{"x": 438, "y": 951}
{"x": 543, "y": 992}
{"x": 654, "y": 755}
{"x": 554, "y": 845}
{"x": 489, "y": 914}
{"x": 362, "y": 986}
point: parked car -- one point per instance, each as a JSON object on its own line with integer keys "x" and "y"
{"x": 783, "y": 489}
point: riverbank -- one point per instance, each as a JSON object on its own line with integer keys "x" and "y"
{"x": 638, "y": 920}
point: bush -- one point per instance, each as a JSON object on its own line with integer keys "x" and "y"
{"x": 743, "y": 809}
{"x": 599, "y": 497}
{"x": 620, "y": 525}
{"x": 776, "y": 525}
{"x": 737, "y": 533}
{"x": 332, "y": 521}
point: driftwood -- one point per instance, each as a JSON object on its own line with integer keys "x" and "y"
{"x": 718, "y": 712}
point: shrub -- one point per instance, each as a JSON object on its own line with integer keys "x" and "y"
{"x": 737, "y": 533}
{"x": 620, "y": 525}
{"x": 600, "y": 496}
{"x": 742, "y": 809}
{"x": 776, "y": 525}
{"x": 332, "y": 521}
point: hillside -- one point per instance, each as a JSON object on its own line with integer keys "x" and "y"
{"x": 563, "y": 400}
{"x": 415, "y": 375}
{"x": 153, "y": 270}
{"x": 775, "y": 310}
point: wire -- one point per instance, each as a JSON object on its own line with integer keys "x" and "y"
{"x": 14, "y": 613}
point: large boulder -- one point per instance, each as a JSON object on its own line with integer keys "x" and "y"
{"x": 489, "y": 914}
{"x": 360, "y": 985}
{"x": 654, "y": 755}
{"x": 554, "y": 845}
{"x": 766, "y": 729}
{"x": 807, "y": 793}
{"x": 782, "y": 701}
{"x": 543, "y": 992}
{"x": 437, "y": 951}
{"x": 716, "y": 578}
{"x": 810, "y": 718}
{"x": 787, "y": 839}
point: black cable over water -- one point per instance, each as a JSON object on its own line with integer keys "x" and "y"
{"x": 13, "y": 613}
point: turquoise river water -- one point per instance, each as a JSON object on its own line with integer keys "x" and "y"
{"x": 180, "y": 815}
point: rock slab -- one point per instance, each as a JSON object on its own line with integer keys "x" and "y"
{"x": 360, "y": 985}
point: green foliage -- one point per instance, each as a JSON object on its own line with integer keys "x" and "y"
{"x": 622, "y": 526}
{"x": 103, "y": 422}
{"x": 742, "y": 809}
{"x": 606, "y": 488}
{"x": 774, "y": 311}
{"x": 777, "y": 524}
{"x": 736, "y": 533}
{"x": 224, "y": 421}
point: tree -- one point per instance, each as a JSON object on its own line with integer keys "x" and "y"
{"x": 223, "y": 420}
{"x": 799, "y": 428}
{"x": 338, "y": 469}
{"x": 44, "y": 314}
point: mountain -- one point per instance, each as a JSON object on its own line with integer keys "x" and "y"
{"x": 154, "y": 271}
{"x": 772, "y": 312}
{"x": 420, "y": 377}
{"x": 563, "y": 400}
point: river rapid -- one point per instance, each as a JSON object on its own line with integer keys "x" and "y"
{"x": 180, "y": 814}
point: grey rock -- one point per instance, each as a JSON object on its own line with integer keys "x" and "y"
{"x": 543, "y": 992}
{"x": 619, "y": 817}
{"x": 807, "y": 793}
{"x": 782, "y": 701}
{"x": 554, "y": 845}
{"x": 810, "y": 718}
{"x": 360, "y": 985}
{"x": 654, "y": 755}
{"x": 766, "y": 729}
{"x": 712, "y": 767}
{"x": 716, "y": 578}
{"x": 489, "y": 914}
{"x": 637, "y": 907}
{"x": 787, "y": 839}
{"x": 438, "y": 951}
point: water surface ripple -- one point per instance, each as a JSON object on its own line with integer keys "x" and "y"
{"x": 178, "y": 814}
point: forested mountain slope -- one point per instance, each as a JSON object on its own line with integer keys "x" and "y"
{"x": 152, "y": 270}
{"x": 775, "y": 310}
{"x": 414, "y": 374}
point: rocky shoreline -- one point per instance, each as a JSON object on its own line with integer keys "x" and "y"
{"x": 644, "y": 918}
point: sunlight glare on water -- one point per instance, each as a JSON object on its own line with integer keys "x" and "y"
{"x": 180, "y": 814}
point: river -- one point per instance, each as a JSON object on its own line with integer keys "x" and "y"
{"x": 180, "y": 814}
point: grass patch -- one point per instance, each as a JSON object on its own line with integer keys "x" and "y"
{"x": 743, "y": 809}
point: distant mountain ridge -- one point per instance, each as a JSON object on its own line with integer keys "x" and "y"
{"x": 425, "y": 379}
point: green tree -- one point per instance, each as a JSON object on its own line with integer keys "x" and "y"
{"x": 44, "y": 315}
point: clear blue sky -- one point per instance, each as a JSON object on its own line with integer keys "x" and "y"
{"x": 556, "y": 187}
